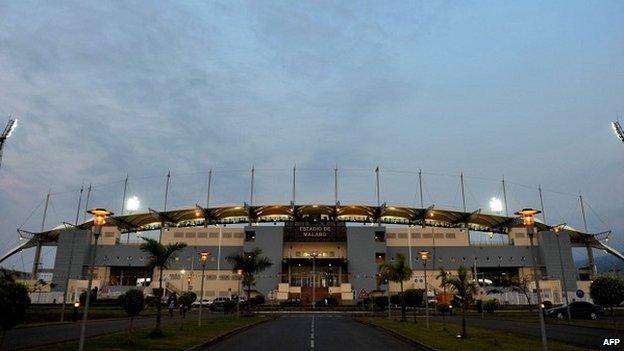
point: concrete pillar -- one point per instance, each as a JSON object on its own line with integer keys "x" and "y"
{"x": 36, "y": 261}
{"x": 590, "y": 260}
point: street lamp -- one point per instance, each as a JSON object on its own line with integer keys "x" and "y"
{"x": 314, "y": 255}
{"x": 424, "y": 256}
{"x": 203, "y": 257}
{"x": 99, "y": 219}
{"x": 528, "y": 220}
{"x": 239, "y": 272}
{"x": 182, "y": 272}
{"x": 557, "y": 229}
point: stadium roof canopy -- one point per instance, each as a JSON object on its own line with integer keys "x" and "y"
{"x": 350, "y": 213}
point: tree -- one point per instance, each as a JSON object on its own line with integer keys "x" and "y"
{"x": 160, "y": 255}
{"x": 522, "y": 285}
{"x": 251, "y": 263}
{"x": 607, "y": 290}
{"x": 414, "y": 298}
{"x": 398, "y": 271}
{"x": 14, "y": 301}
{"x": 464, "y": 288}
{"x": 133, "y": 302}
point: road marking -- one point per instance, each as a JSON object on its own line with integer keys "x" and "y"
{"x": 312, "y": 334}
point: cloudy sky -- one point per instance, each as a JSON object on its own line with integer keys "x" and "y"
{"x": 521, "y": 89}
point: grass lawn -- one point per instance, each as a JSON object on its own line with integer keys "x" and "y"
{"x": 179, "y": 336}
{"x": 44, "y": 314}
{"x": 526, "y": 316}
{"x": 444, "y": 338}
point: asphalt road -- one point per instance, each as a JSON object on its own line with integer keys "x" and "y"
{"x": 311, "y": 332}
{"x": 581, "y": 336}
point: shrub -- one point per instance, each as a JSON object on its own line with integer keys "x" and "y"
{"x": 395, "y": 299}
{"x": 133, "y": 303}
{"x": 443, "y": 308}
{"x": 14, "y": 301}
{"x": 491, "y": 305}
{"x": 381, "y": 302}
{"x": 414, "y": 297}
{"x": 607, "y": 291}
{"x": 187, "y": 298}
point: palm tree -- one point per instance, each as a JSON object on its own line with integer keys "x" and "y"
{"x": 159, "y": 258}
{"x": 464, "y": 287}
{"x": 443, "y": 276}
{"x": 250, "y": 263}
{"x": 397, "y": 270}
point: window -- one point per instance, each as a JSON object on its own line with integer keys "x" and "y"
{"x": 239, "y": 235}
{"x": 202, "y": 235}
{"x": 213, "y": 235}
{"x": 190, "y": 235}
{"x": 391, "y": 235}
{"x": 415, "y": 235}
{"x": 520, "y": 235}
{"x": 402, "y": 235}
{"x": 427, "y": 236}
{"x": 450, "y": 235}
{"x": 439, "y": 235}
{"x": 227, "y": 235}
{"x": 178, "y": 235}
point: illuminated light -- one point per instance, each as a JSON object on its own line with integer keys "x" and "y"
{"x": 496, "y": 205}
{"x": 528, "y": 215}
{"x": 76, "y": 304}
{"x": 100, "y": 215}
{"x": 203, "y": 256}
{"x": 197, "y": 213}
{"x": 424, "y": 255}
{"x": 183, "y": 271}
{"x": 133, "y": 203}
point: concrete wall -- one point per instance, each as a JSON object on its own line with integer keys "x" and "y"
{"x": 549, "y": 256}
{"x": 270, "y": 241}
{"x": 361, "y": 250}
{"x": 80, "y": 240}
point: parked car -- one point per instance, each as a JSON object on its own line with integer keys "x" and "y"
{"x": 578, "y": 310}
{"x": 219, "y": 301}
{"x": 204, "y": 302}
{"x": 291, "y": 302}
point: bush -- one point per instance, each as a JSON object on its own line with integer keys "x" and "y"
{"x": 187, "y": 298}
{"x": 491, "y": 305}
{"x": 83, "y": 297}
{"x": 479, "y": 305}
{"x": 607, "y": 291}
{"x": 443, "y": 308}
{"x": 547, "y": 304}
{"x": 14, "y": 301}
{"x": 395, "y": 299}
{"x": 257, "y": 300}
{"x": 381, "y": 302}
{"x": 414, "y": 297}
{"x": 132, "y": 302}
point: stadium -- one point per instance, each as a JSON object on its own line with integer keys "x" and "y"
{"x": 317, "y": 250}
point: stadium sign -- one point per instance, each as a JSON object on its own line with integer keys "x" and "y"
{"x": 306, "y": 231}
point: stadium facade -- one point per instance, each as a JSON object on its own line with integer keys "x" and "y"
{"x": 349, "y": 243}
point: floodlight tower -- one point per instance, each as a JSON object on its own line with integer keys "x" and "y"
{"x": 8, "y": 130}
{"x": 617, "y": 129}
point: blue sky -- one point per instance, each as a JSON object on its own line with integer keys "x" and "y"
{"x": 524, "y": 89}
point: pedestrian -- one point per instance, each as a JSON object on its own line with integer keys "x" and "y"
{"x": 171, "y": 307}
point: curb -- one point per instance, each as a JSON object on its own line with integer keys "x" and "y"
{"x": 399, "y": 336}
{"x": 226, "y": 335}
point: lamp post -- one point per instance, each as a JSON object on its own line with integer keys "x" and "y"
{"x": 182, "y": 281}
{"x": 424, "y": 256}
{"x": 239, "y": 272}
{"x": 314, "y": 255}
{"x": 528, "y": 220}
{"x": 203, "y": 257}
{"x": 99, "y": 219}
{"x": 557, "y": 229}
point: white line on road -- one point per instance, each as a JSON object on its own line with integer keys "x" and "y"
{"x": 312, "y": 334}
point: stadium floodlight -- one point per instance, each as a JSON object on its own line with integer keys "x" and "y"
{"x": 8, "y": 130}
{"x": 496, "y": 205}
{"x": 133, "y": 203}
{"x": 617, "y": 129}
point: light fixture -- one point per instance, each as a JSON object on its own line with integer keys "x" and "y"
{"x": 133, "y": 203}
{"x": 424, "y": 255}
{"x": 528, "y": 215}
{"x": 203, "y": 256}
{"x": 496, "y": 205}
{"x": 99, "y": 216}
